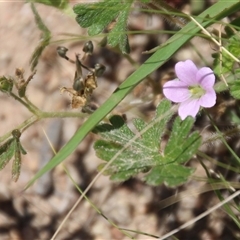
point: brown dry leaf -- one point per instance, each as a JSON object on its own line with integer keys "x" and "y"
{"x": 90, "y": 84}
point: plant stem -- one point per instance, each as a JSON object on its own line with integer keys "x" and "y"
{"x": 27, "y": 105}
{"x": 31, "y": 104}
{"x": 62, "y": 115}
{"x": 27, "y": 123}
{"x": 42, "y": 115}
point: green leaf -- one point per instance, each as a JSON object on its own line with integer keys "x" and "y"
{"x": 226, "y": 64}
{"x": 97, "y": 16}
{"x": 54, "y": 3}
{"x": 10, "y": 148}
{"x": 144, "y": 153}
{"x": 118, "y": 35}
{"x": 16, "y": 166}
{"x": 45, "y": 38}
{"x": 235, "y": 87}
{"x": 145, "y": 1}
{"x": 172, "y": 175}
{"x": 181, "y": 145}
{"x": 217, "y": 11}
{"x": 180, "y": 148}
{"x": 6, "y": 152}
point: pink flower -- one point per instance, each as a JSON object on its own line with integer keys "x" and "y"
{"x": 192, "y": 89}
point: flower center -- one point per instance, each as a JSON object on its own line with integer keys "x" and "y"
{"x": 196, "y": 91}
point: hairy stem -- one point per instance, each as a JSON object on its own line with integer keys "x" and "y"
{"x": 27, "y": 105}
{"x": 42, "y": 115}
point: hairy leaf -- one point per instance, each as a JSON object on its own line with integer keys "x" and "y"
{"x": 140, "y": 149}
{"x": 6, "y": 152}
{"x": 10, "y": 148}
{"x": 235, "y": 85}
{"x": 226, "y": 64}
{"x": 98, "y": 16}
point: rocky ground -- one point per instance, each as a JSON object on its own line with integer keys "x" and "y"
{"x": 37, "y": 212}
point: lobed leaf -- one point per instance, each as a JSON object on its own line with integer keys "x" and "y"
{"x": 181, "y": 145}
{"x": 144, "y": 153}
{"x": 172, "y": 175}
{"x": 235, "y": 85}
{"x": 226, "y": 64}
{"x": 235, "y": 89}
{"x": 97, "y": 17}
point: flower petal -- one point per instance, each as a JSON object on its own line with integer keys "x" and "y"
{"x": 189, "y": 108}
{"x": 186, "y": 72}
{"x": 205, "y": 78}
{"x": 208, "y": 99}
{"x": 176, "y": 91}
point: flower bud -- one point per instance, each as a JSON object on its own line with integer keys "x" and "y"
{"x": 16, "y": 133}
{"x": 6, "y": 84}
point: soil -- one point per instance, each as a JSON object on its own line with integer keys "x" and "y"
{"x": 37, "y": 212}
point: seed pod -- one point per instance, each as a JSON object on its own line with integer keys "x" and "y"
{"x": 78, "y": 85}
{"x": 62, "y": 52}
{"x": 88, "y": 48}
{"x": 89, "y": 108}
{"x": 99, "y": 69}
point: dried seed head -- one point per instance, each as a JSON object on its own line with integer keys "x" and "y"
{"x": 19, "y": 72}
{"x": 90, "y": 84}
{"x": 78, "y": 101}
